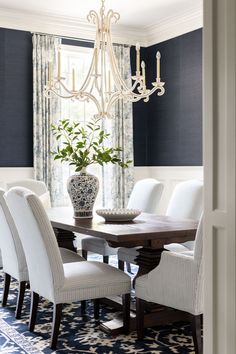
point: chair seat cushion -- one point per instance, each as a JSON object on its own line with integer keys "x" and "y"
{"x": 91, "y": 280}
{"x": 97, "y": 245}
{"x": 128, "y": 254}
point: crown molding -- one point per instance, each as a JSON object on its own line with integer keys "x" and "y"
{"x": 174, "y": 26}
{"x": 65, "y": 26}
{"x": 171, "y": 27}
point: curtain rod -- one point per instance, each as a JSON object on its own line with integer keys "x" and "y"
{"x": 64, "y": 37}
{"x": 72, "y": 38}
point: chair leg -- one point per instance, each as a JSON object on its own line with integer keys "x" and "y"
{"x": 20, "y": 299}
{"x": 196, "y": 330}
{"x": 106, "y": 259}
{"x": 140, "y": 317}
{"x": 96, "y": 308}
{"x": 85, "y": 254}
{"x": 128, "y": 267}
{"x": 57, "y": 312}
{"x": 7, "y": 280}
{"x": 83, "y": 307}
{"x": 33, "y": 310}
{"x": 121, "y": 265}
{"x": 126, "y": 312}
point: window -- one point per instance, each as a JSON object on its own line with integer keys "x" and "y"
{"x": 79, "y": 59}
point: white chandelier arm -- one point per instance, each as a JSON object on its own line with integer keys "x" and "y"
{"x": 93, "y": 17}
{"x": 54, "y": 91}
{"x": 121, "y": 85}
{"x": 110, "y": 16}
{"x": 86, "y": 96}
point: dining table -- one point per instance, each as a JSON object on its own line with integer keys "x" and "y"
{"x": 149, "y": 232}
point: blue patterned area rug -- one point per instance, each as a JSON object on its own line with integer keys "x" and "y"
{"x": 82, "y": 334}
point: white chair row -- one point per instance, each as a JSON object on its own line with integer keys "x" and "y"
{"x": 30, "y": 253}
{"x": 186, "y": 203}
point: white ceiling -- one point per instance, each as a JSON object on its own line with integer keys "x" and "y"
{"x": 134, "y": 13}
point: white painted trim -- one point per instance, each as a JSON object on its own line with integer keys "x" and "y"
{"x": 220, "y": 176}
{"x": 64, "y": 26}
{"x": 79, "y": 28}
{"x": 174, "y": 26}
{"x": 10, "y": 174}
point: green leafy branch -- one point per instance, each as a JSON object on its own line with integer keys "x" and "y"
{"x": 82, "y": 146}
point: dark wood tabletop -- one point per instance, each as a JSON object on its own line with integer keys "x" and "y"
{"x": 148, "y": 230}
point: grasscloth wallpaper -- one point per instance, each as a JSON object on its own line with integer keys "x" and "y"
{"x": 167, "y": 130}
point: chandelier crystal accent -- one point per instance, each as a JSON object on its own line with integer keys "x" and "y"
{"x": 104, "y": 85}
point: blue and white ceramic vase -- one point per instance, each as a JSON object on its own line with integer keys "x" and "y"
{"x": 83, "y": 189}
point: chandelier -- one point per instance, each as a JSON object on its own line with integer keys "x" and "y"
{"x": 104, "y": 85}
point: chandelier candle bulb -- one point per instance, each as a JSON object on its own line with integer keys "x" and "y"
{"x": 59, "y": 65}
{"x": 138, "y": 58}
{"x": 143, "y": 73}
{"x": 158, "y": 56}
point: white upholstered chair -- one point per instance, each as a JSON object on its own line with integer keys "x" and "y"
{"x": 177, "y": 282}
{"x": 14, "y": 262}
{"x": 38, "y": 187}
{"x": 186, "y": 202}
{"x": 49, "y": 277}
{"x": 145, "y": 196}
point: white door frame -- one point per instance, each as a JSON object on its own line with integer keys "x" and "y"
{"x": 219, "y": 176}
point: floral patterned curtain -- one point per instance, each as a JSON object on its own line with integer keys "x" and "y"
{"x": 118, "y": 182}
{"x": 115, "y": 183}
{"x": 45, "y": 112}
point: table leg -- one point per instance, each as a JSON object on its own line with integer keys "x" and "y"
{"x": 65, "y": 239}
{"x": 147, "y": 260}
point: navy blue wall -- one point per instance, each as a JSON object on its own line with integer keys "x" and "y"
{"x": 167, "y": 130}
{"x": 170, "y": 127}
{"x": 16, "y": 101}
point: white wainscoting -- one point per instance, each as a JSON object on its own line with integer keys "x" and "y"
{"x": 11, "y": 174}
{"x": 169, "y": 176}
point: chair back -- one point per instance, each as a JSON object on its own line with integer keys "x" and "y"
{"x": 3, "y": 185}
{"x": 198, "y": 245}
{"x": 42, "y": 253}
{"x": 13, "y": 257}
{"x": 38, "y": 187}
{"x": 146, "y": 195}
{"x": 187, "y": 200}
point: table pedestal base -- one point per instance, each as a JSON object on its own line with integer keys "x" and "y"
{"x": 65, "y": 239}
{"x": 155, "y": 315}
{"x": 147, "y": 260}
